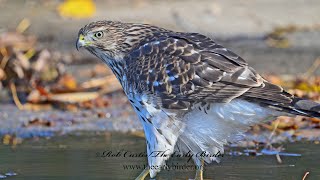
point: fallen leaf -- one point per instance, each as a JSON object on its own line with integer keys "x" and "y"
{"x": 67, "y": 81}
{"x": 2, "y": 74}
{"x": 23, "y": 25}
{"x": 284, "y": 123}
{"x": 6, "y": 139}
{"x": 308, "y": 133}
{"x": 37, "y": 107}
{"x": 39, "y": 122}
{"x": 77, "y": 8}
{"x": 74, "y": 97}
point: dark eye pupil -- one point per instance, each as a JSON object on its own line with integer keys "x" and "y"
{"x": 99, "y": 34}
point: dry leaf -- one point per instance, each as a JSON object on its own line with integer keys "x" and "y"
{"x": 68, "y": 81}
{"x": 74, "y": 97}
{"x": 42, "y": 60}
{"x": 39, "y": 122}
{"x": 6, "y": 139}
{"x": 2, "y": 74}
{"x": 284, "y": 123}
{"x": 77, "y": 8}
{"x": 23, "y": 25}
{"x": 308, "y": 133}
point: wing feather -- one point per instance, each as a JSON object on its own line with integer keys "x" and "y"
{"x": 189, "y": 67}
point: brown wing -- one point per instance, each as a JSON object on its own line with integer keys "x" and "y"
{"x": 187, "y": 67}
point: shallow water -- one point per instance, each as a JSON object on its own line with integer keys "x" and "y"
{"x": 80, "y": 157}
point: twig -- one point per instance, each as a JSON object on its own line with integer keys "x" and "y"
{"x": 278, "y": 155}
{"x": 23, "y": 25}
{"x": 269, "y": 144}
{"x": 270, "y": 137}
{"x": 278, "y": 158}
{"x": 5, "y": 57}
{"x": 108, "y": 84}
{"x": 274, "y": 129}
{"x": 138, "y": 134}
{"x": 110, "y": 80}
{"x": 271, "y": 128}
{"x": 313, "y": 68}
{"x": 15, "y": 96}
{"x": 305, "y": 175}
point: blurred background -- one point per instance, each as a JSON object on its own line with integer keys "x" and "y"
{"x": 60, "y": 108}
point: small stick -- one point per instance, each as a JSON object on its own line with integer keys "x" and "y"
{"x": 274, "y": 129}
{"x": 313, "y": 68}
{"x": 5, "y": 57}
{"x": 15, "y": 96}
{"x": 278, "y": 158}
{"x": 94, "y": 83}
{"x": 305, "y": 175}
{"x": 271, "y": 128}
{"x": 23, "y": 25}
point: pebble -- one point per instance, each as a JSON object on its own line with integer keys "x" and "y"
{"x": 11, "y": 174}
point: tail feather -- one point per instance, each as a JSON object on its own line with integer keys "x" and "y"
{"x": 297, "y": 106}
{"x": 306, "y": 107}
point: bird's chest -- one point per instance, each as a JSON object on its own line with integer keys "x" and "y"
{"x": 150, "y": 113}
{"x": 148, "y": 108}
{"x": 146, "y": 111}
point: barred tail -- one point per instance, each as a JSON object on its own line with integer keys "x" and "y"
{"x": 296, "y": 106}
{"x": 305, "y": 107}
{"x": 275, "y": 97}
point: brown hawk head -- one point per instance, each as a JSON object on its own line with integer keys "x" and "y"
{"x": 111, "y": 39}
{"x": 102, "y": 38}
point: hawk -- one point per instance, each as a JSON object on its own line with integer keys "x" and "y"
{"x": 190, "y": 93}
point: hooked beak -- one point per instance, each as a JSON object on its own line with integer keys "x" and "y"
{"x": 81, "y": 42}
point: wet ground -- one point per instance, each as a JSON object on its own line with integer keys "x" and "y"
{"x": 118, "y": 116}
{"x": 66, "y": 145}
{"x": 81, "y": 157}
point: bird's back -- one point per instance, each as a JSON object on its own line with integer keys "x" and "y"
{"x": 182, "y": 69}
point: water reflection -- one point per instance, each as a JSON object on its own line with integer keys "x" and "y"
{"x": 80, "y": 157}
